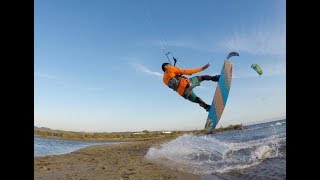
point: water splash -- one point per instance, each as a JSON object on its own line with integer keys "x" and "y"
{"x": 206, "y": 154}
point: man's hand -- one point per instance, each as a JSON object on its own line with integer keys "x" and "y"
{"x": 175, "y": 61}
{"x": 206, "y": 66}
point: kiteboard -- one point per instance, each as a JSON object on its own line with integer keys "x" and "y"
{"x": 221, "y": 94}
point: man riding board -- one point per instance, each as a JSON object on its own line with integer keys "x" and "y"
{"x": 173, "y": 78}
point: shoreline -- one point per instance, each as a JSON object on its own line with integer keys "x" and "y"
{"x": 111, "y": 161}
{"x": 123, "y": 136}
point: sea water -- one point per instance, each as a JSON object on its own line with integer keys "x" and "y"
{"x": 44, "y": 147}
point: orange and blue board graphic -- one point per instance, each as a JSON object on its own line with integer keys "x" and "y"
{"x": 220, "y": 96}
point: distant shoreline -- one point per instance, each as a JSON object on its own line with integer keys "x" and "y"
{"x": 264, "y": 121}
{"x": 122, "y": 136}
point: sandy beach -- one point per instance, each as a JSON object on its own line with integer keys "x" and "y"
{"x": 117, "y": 161}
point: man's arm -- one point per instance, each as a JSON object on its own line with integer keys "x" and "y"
{"x": 190, "y": 71}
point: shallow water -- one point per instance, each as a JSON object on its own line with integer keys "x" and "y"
{"x": 257, "y": 152}
{"x": 44, "y": 147}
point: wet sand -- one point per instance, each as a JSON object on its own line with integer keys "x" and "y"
{"x": 117, "y": 161}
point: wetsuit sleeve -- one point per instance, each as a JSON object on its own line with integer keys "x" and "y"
{"x": 186, "y": 71}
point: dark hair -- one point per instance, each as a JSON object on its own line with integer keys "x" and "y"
{"x": 163, "y": 65}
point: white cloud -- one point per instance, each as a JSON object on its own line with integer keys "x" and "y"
{"x": 262, "y": 39}
{"x": 144, "y": 69}
{"x": 188, "y": 43}
{"x": 53, "y": 79}
{"x": 258, "y": 41}
{"x": 45, "y": 76}
{"x": 275, "y": 69}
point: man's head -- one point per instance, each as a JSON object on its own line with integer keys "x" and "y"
{"x": 165, "y": 66}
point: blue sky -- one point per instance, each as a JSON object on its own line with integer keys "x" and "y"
{"x": 97, "y": 64}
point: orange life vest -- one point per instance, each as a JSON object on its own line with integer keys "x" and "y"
{"x": 173, "y": 79}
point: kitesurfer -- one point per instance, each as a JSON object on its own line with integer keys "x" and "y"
{"x": 173, "y": 78}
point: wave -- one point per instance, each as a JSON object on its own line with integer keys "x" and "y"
{"x": 206, "y": 154}
{"x": 277, "y": 124}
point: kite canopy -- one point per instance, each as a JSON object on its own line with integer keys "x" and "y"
{"x": 232, "y": 54}
{"x": 257, "y": 68}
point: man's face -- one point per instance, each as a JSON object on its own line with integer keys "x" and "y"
{"x": 167, "y": 66}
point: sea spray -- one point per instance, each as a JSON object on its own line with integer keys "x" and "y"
{"x": 208, "y": 154}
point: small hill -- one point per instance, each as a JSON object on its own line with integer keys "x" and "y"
{"x": 41, "y": 128}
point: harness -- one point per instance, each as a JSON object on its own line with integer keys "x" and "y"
{"x": 187, "y": 91}
{"x": 174, "y": 82}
